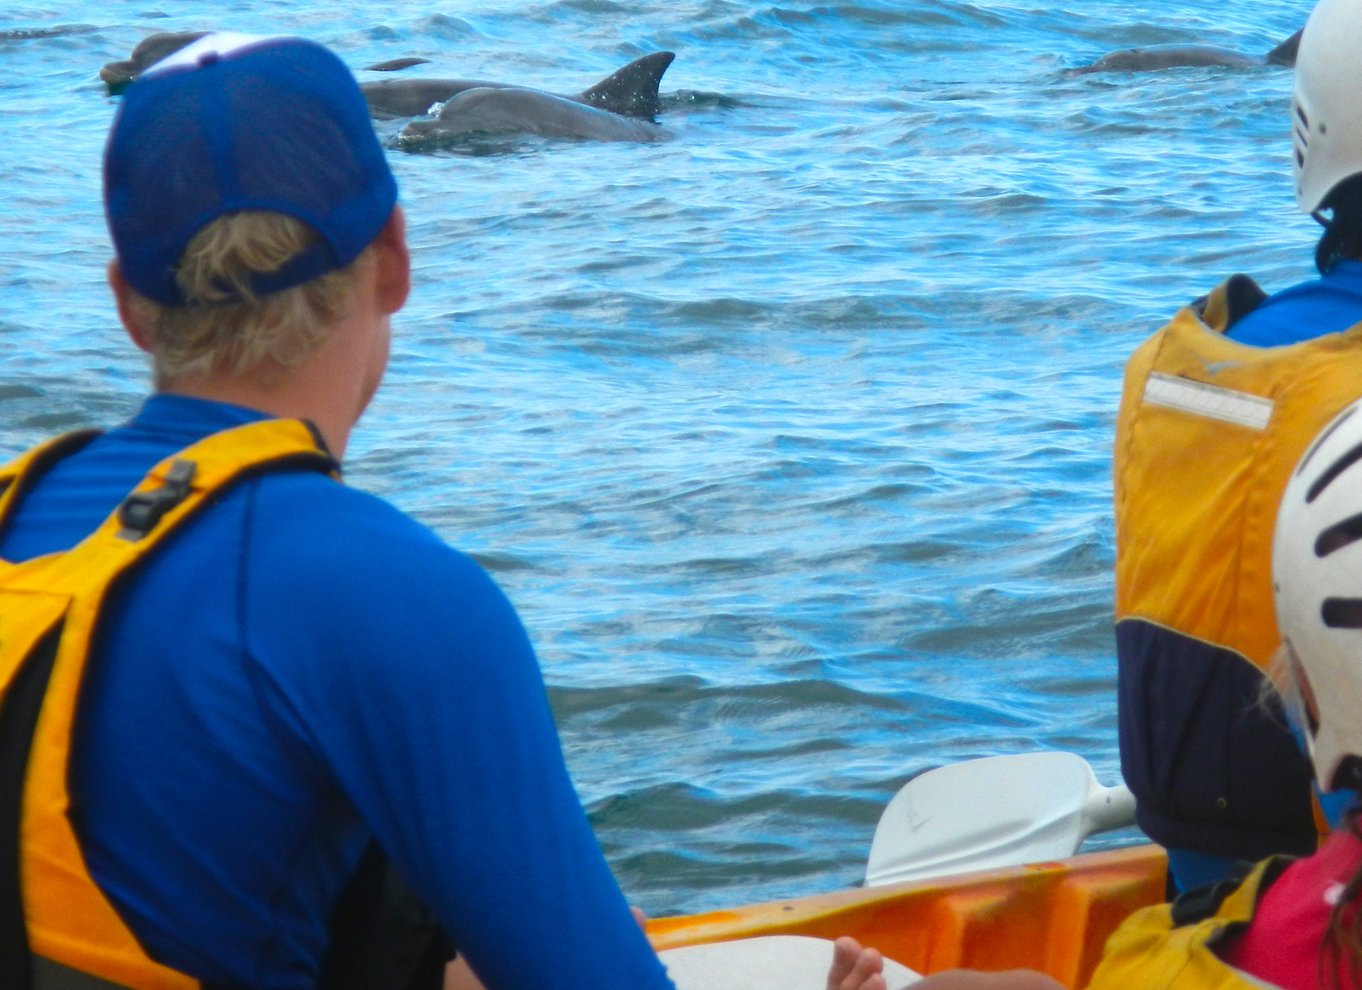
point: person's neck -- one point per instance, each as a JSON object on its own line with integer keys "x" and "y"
{"x": 282, "y": 403}
{"x": 314, "y": 391}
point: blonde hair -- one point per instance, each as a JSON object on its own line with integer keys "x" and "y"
{"x": 226, "y": 328}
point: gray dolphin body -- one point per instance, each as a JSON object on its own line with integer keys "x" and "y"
{"x": 149, "y": 51}
{"x": 629, "y": 92}
{"x": 1157, "y": 57}
{"x": 620, "y": 107}
{"x": 511, "y": 110}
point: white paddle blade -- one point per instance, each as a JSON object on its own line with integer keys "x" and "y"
{"x": 991, "y": 813}
{"x": 769, "y": 962}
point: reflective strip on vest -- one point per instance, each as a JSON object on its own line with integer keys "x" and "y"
{"x": 1211, "y": 401}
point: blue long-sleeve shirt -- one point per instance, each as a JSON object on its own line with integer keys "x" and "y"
{"x": 1327, "y": 304}
{"x": 301, "y": 668}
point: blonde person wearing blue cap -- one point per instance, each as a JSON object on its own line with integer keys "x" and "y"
{"x": 260, "y": 729}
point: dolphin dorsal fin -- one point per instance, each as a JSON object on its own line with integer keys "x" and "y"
{"x": 1285, "y": 53}
{"x": 632, "y": 91}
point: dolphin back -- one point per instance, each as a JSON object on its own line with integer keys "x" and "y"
{"x": 391, "y": 98}
{"x": 1157, "y": 57}
{"x": 629, "y": 92}
{"x": 632, "y": 90}
{"x": 509, "y": 109}
{"x": 149, "y": 51}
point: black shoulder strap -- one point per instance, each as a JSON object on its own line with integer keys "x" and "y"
{"x": 18, "y": 718}
{"x": 382, "y": 935}
{"x": 1242, "y": 296}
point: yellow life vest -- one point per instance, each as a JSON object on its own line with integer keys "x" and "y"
{"x": 1154, "y": 948}
{"x": 1207, "y": 436}
{"x": 49, "y": 609}
{"x": 1227, "y": 423}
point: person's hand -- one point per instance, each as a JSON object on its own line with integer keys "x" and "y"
{"x": 854, "y": 967}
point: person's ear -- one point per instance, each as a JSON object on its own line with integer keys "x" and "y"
{"x": 394, "y": 262}
{"x": 127, "y": 313}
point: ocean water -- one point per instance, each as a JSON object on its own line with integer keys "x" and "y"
{"x": 789, "y": 434}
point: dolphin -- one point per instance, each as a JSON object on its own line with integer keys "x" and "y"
{"x": 37, "y": 34}
{"x": 628, "y": 92}
{"x": 513, "y": 110}
{"x": 154, "y": 47}
{"x": 620, "y": 107}
{"x": 393, "y": 64}
{"x": 1157, "y": 57}
{"x": 148, "y": 52}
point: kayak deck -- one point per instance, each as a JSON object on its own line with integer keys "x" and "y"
{"x": 1052, "y": 916}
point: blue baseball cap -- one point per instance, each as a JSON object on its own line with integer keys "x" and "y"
{"x": 235, "y": 122}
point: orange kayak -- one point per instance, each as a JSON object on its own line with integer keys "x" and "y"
{"x": 1052, "y": 916}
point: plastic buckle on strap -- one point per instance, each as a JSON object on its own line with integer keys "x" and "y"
{"x": 141, "y": 511}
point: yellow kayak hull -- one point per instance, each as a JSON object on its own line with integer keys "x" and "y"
{"x": 1054, "y": 917}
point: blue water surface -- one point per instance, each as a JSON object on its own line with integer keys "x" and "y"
{"x": 788, "y": 435}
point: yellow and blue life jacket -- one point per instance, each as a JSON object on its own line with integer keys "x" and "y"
{"x": 1171, "y": 946}
{"x": 1208, "y": 433}
{"x": 57, "y": 929}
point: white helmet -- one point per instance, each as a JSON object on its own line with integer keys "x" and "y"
{"x": 1326, "y": 119}
{"x": 1317, "y": 577}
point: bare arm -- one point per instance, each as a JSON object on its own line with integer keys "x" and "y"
{"x": 459, "y": 977}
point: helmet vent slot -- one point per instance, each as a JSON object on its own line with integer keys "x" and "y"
{"x": 1332, "y": 472}
{"x": 1342, "y": 613}
{"x": 1338, "y": 536}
